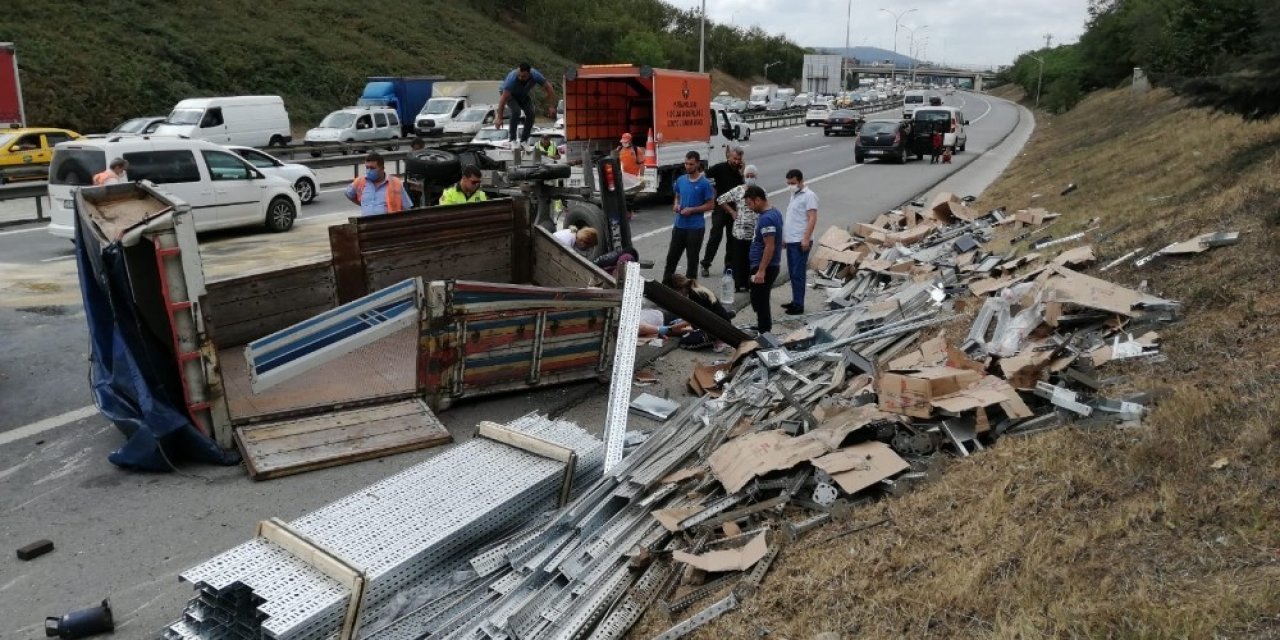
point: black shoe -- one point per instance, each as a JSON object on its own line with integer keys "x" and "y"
{"x": 706, "y": 271}
{"x": 789, "y": 306}
{"x": 795, "y": 311}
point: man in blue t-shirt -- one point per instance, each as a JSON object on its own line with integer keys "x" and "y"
{"x": 765, "y": 255}
{"x": 694, "y": 197}
{"x": 516, "y": 87}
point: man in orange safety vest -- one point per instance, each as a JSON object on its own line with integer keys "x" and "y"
{"x": 375, "y": 191}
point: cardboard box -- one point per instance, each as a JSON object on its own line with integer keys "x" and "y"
{"x": 947, "y": 207}
{"x": 913, "y": 392}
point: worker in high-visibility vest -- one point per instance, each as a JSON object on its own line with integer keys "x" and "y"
{"x": 467, "y": 189}
{"x": 547, "y": 147}
{"x": 629, "y": 156}
{"x": 114, "y": 174}
{"x": 375, "y": 191}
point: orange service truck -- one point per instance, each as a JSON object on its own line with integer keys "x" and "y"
{"x": 601, "y": 102}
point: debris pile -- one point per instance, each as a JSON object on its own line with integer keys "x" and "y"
{"x": 791, "y": 434}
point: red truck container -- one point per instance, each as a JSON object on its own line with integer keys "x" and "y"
{"x": 11, "y": 112}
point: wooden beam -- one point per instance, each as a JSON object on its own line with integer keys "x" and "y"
{"x": 323, "y": 560}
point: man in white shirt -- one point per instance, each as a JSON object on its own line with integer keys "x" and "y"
{"x": 797, "y": 237}
{"x": 580, "y": 240}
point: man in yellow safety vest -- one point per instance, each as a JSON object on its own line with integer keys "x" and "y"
{"x": 467, "y": 189}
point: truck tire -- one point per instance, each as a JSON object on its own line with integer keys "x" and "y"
{"x": 433, "y": 166}
{"x": 584, "y": 214}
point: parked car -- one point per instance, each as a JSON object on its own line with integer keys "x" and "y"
{"x": 801, "y": 100}
{"x": 355, "y": 124}
{"x": 302, "y": 178}
{"x": 222, "y": 188}
{"x": 884, "y": 139}
{"x": 30, "y": 146}
{"x": 138, "y": 126}
{"x": 739, "y": 105}
{"x": 776, "y": 105}
{"x": 816, "y": 115}
{"x": 741, "y": 128}
{"x": 843, "y": 122}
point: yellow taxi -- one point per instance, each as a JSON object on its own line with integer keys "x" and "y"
{"x": 30, "y": 146}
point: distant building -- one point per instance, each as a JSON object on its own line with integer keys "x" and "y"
{"x": 823, "y": 74}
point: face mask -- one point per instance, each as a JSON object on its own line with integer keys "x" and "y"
{"x": 751, "y": 182}
{"x": 371, "y": 175}
{"x": 793, "y": 188}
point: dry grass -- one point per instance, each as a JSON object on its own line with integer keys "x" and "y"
{"x": 1103, "y": 533}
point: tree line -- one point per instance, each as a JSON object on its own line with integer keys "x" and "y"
{"x": 1223, "y": 54}
{"x": 648, "y": 32}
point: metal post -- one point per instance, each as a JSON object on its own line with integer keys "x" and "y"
{"x": 702, "y": 40}
{"x": 1039, "y": 78}
{"x": 39, "y": 207}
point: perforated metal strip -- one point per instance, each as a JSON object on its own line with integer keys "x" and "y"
{"x": 624, "y": 361}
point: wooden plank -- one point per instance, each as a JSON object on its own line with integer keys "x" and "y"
{"x": 267, "y": 280}
{"x": 249, "y": 308}
{"x": 276, "y": 449}
{"x": 523, "y": 441}
{"x": 323, "y": 560}
{"x": 239, "y": 333}
{"x": 348, "y": 263}
{"x": 521, "y": 243}
{"x": 558, "y": 265}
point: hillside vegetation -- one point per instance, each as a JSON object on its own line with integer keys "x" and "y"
{"x": 90, "y": 65}
{"x": 1161, "y": 531}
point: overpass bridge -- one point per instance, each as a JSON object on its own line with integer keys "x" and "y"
{"x": 976, "y": 76}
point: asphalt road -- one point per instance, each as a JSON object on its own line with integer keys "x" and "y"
{"x": 126, "y": 536}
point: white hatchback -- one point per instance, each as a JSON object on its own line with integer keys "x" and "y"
{"x": 222, "y": 189}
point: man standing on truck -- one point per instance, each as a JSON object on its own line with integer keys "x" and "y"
{"x": 114, "y": 173}
{"x": 467, "y": 189}
{"x": 725, "y": 176}
{"x": 797, "y": 237}
{"x": 694, "y": 197}
{"x": 375, "y": 191}
{"x": 516, "y": 87}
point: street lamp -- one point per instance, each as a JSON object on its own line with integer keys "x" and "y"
{"x": 1040, "y": 78}
{"x": 911, "y": 47}
{"x": 897, "y": 19}
{"x": 766, "y": 68}
{"x": 702, "y": 39}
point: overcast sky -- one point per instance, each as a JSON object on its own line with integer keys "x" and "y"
{"x": 958, "y": 31}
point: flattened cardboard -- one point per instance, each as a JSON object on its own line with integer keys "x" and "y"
{"x": 911, "y": 235}
{"x": 912, "y": 392}
{"x": 1071, "y": 287}
{"x": 947, "y": 207}
{"x": 1077, "y": 257}
{"x": 836, "y": 238}
{"x": 722, "y": 560}
{"x": 740, "y": 460}
{"x": 862, "y": 465}
{"x": 703, "y": 379}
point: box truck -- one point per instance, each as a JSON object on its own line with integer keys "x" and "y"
{"x": 405, "y": 94}
{"x": 450, "y": 99}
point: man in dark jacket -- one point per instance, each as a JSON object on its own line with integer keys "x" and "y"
{"x": 725, "y": 176}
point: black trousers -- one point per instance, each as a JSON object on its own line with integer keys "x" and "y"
{"x": 760, "y": 299}
{"x": 721, "y": 223}
{"x": 739, "y": 261}
{"x": 522, "y": 105}
{"x": 687, "y": 242}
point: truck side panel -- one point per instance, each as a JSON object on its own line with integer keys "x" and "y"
{"x": 242, "y": 309}
{"x": 11, "y": 110}
{"x": 554, "y": 266}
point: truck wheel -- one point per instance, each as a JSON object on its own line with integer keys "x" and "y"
{"x": 276, "y": 141}
{"x": 280, "y": 215}
{"x": 584, "y": 214}
{"x": 434, "y": 166}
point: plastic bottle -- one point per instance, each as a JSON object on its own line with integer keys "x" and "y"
{"x": 726, "y": 288}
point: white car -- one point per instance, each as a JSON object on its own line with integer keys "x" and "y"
{"x": 302, "y": 178}
{"x": 222, "y": 188}
{"x": 816, "y": 115}
{"x": 472, "y": 120}
{"x": 496, "y": 138}
{"x": 742, "y": 128}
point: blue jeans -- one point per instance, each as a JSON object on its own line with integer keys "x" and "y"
{"x": 797, "y": 270}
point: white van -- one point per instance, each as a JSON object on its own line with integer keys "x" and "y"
{"x": 222, "y": 189}
{"x": 950, "y": 119}
{"x": 356, "y": 124}
{"x": 911, "y": 101}
{"x": 251, "y": 121}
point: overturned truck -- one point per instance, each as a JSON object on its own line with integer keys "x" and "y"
{"x": 346, "y": 358}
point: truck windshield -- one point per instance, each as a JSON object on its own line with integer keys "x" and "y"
{"x": 185, "y": 116}
{"x": 338, "y": 120}
{"x": 438, "y": 106}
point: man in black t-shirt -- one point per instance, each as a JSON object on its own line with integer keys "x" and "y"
{"x": 725, "y": 176}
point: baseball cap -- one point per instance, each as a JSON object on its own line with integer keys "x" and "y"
{"x": 626, "y": 137}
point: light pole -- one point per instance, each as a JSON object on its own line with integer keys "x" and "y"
{"x": 766, "y": 68}
{"x": 911, "y": 47}
{"x": 702, "y": 39}
{"x": 1040, "y": 78}
{"x": 897, "y": 19}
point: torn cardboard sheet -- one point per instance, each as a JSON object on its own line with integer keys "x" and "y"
{"x": 917, "y": 393}
{"x": 684, "y": 474}
{"x": 722, "y": 560}
{"x": 1070, "y": 287}
{"x": 1077, "y": 257}
{"x": 705, "y": 379}
{"x": 1201, "y": 243}
{"x": 947, "y": 207}
{"x": 857, "y": 467}
{"x": 930, "y": 353}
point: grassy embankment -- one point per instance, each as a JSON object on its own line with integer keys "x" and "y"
{"x": 1165, "y": 531}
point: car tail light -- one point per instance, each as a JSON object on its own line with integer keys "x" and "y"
{"x": 608, "y": 176}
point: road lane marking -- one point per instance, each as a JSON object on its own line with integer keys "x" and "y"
{"x": 41, "y": 426}
{"x": 984, "y": 113}
{"x": 60, "y": 258}
{"x": 832, "y": 174}
{"x": 825, "y": 146}
{"x": 9, "y": 233}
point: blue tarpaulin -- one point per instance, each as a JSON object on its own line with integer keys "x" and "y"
{"x": 134, "y": 373}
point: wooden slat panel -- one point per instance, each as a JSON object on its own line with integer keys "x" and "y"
{"x": 240, "y": 333}
{"x": 293, "y": 446}
{"x": 470, "y": 261}
{"x": 251, "y": 306}
{"x": 555, "y": 265}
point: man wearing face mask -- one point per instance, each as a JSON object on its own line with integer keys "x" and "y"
{"x": 375, "y": 191}
{"x": 797, "y": 237}
{"x": 694, "y": 197}
{"x": 743, "y": 231}
{"x": 726, "y": 176}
